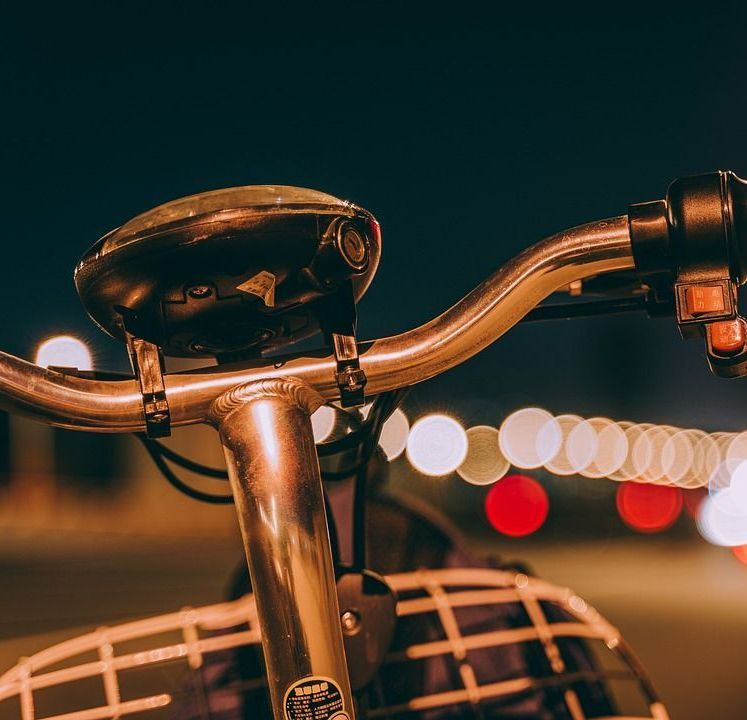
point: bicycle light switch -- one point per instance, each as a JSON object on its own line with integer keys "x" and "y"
{"x": 690, "y": 250}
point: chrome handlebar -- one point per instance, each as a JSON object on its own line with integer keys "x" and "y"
{"x": 465, "y": 329}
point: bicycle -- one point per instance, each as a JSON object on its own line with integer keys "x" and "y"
{"x": 239, "y": 275}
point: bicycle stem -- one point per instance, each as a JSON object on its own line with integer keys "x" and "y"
{"x": 468, "y": 327}
{"x": 265, "y": 428}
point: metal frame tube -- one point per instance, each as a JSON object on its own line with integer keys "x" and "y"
{"x": 472, "y": 324}
{"x": 265, "y": 428}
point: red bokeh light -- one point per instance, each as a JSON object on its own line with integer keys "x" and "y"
{"x": 740, "y": 553}
{"x": 517, "y": 505}
{"x": 648, "y": 508}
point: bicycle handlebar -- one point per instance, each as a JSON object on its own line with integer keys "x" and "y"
{"x": 472, "y": 324}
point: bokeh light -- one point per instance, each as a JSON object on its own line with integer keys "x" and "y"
{"x": 627, "y": 470}
{"x": 64, "y": 351}
{"x": 677, "y": 457}
{"x": 648, "y": 452}
{"x": 437, "y": 445}
{"x": 517, "y": 505}
{"x": 693, "y": 500}
{"x": 736, "y": 449}
{"x": 394, "y": 433}
{"x": 581, "y": 446}
{"x": 612, "y": 448}
{"x": 561, "y": 463}
{"x": 719, "y": 527}
{"x": 705, "y": 458}
{"x": 648, "y": 508}
{"x": 530, "y": 437}
{"x": 727, "y": 487}
{"x": 323, "y": 422}
{"x": 485, "y": 463}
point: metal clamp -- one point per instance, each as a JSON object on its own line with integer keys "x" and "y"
{"x": 338, "y": 319}
{"x": 147, "y": 362}
{"x": 351, "y": 380}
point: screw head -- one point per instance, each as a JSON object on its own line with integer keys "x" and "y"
{"x": 351, "y": 622}
{"x": 200, "y": 291}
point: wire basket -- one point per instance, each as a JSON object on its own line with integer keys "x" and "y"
{"x": 184, "y": 664}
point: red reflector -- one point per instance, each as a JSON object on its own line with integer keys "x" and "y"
{"x": 517, "y": 505}
{"x": 648, "y": 508}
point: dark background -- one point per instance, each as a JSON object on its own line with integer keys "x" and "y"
{"x": 470, "y": 132}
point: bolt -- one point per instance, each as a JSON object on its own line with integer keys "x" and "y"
{"x": 200, "y": 291}
{"x": 351, "y": 622}
{"x": 351, "y": 378}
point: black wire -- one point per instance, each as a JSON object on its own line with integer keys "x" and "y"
{"x": 153, "y": 450}
{"x": 365, "y": 437}
{"x": 381, "y": 413}
{"x": 381, "y": 407}
{"x": 568, "y": 311}
{"x": 188, "y": 464}
{"x": 350, "y": 440}
{"x": 347, "y": 442}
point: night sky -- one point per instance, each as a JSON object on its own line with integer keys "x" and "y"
{"x": 470, "y": 135}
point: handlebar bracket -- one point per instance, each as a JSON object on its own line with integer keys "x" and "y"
{"x": 338, "y": 320}
{"x": 147, "y": 363}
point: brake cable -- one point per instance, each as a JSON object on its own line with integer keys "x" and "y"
{"x": 365, "y": 436}
{"x": 155, "y": 452}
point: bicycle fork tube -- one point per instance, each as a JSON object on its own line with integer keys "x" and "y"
{"x": 265, "y": 428}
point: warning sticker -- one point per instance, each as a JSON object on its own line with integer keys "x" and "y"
{"x": 314, "y": 698}
{"x": 261, "y": 285}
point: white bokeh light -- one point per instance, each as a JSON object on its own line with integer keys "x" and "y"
{"x": 677, "y": 458}
{"x": 581, "y": 446}
{"x": 727, "y": 487}
{"x": 530, "y": 437}
{"x": 437, "y": 445}
{"x": 705, "y": 457}
{"x": 736, "y": 449}
{"x": 561, "y": 463}
{"x": 323, "y": 423}
{"x": 394, "y": 434}
{"x": 612, "y": 448}
{"x": 719, "y": 527}
{"x": 64, "y": 351}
